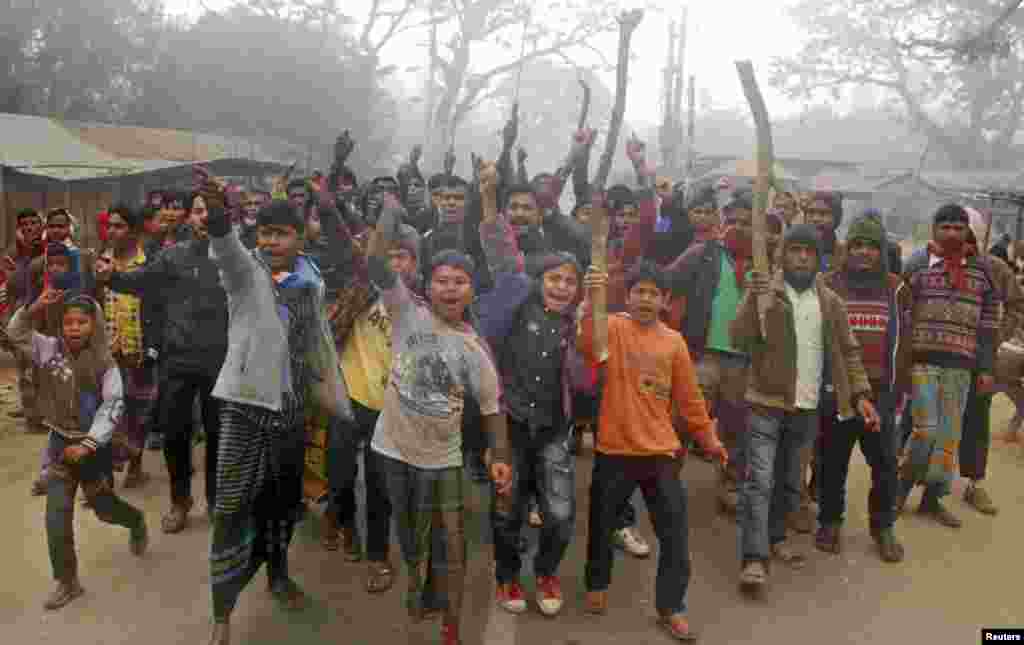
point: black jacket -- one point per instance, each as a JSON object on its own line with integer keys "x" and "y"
{"x": 195, "y": 321}
{"x": 694, "y": 276}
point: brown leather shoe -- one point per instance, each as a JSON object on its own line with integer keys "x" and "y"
{"x": 597, "y": 603}
{"x": 379, "y": 577}
{"x": 65, "y": 592}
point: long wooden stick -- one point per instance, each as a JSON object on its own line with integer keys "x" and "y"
{"x": 628, "y": 23}
{"x": 765, "y": 160}
{"x": 599, "y": 260}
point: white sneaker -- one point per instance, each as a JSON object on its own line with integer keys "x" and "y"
{"x": 632, "y": 543}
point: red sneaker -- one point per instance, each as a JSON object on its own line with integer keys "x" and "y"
{"x": 511, "y": 598}
{"x": 549, "y": 595}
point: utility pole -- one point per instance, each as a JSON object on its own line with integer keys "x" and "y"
{"x": 667, "y": 122}
{"x": 428, "y": 116}
{"x": 691, "y": 109}
{"x": 677, "y": 97}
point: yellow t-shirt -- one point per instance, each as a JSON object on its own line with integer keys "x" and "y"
{"x": 366, "y": 359}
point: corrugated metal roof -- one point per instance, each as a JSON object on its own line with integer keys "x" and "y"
{"x": 73, "y": 151}
{"x": 178, "y": 146}
{"x": 40, "y": 146}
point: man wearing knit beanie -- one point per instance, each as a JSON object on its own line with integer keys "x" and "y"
{"x": 805, "y": 328}
{"x": 870, "y": 293}
{"x": 953, "y": 349}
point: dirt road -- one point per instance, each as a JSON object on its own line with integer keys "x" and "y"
{"x": 952, "y": 583}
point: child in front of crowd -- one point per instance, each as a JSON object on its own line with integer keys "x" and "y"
{"x": 80, "y": 401}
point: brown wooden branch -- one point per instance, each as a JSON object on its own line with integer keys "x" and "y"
{"x": 762, "y": 184}
{"x": 585, "y": 108}
{"x": 628, "y": 23}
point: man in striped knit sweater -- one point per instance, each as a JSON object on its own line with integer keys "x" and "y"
{"x": 864, "y": 281}
{"x": 953, "y": 326}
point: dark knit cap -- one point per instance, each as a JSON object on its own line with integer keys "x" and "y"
{"x": 951, "y": 213}
{"x": 803, "y": 234}
{"x": 866, "y": 228}
{"x": 281, "y": 213}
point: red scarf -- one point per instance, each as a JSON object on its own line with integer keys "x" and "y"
{"x": 741, "y": 250}
{"x": 953, "y": 257}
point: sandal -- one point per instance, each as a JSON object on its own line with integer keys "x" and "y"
{"x": 177, "y": 519}
{"x": 678, "y": 628}
{"x": 754, "y": 574}
{"x": 380, "y": 577}
{"x": 794, "y": 559}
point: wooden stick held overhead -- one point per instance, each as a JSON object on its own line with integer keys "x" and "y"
{"x": 763, "y": 182}
{"x": 599, "y": 261}
{"x": 628, "y": 22}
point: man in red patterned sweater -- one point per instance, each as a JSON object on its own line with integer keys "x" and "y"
{"x": 869, "y": 290}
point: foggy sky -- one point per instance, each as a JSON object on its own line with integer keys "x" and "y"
{"x": 720, "y": 32}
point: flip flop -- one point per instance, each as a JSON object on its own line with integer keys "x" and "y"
{"x": 789, "y": 557}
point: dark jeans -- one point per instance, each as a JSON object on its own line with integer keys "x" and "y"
{"x": 177, "y": 393}
{"x": 345, "y": 442}
{"x": 542, "y": 465}
{"x": 877, "y": 448}
{"x": 614, "y": 480}
{"x": 94, "y": 474}
{"x": 771, "y": 480}
{"x": 976, "y": 438}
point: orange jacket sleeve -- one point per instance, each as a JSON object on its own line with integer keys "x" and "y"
{"x": 686, "y": 394}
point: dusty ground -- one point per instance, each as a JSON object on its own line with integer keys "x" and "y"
{"x": 952, "y": 584}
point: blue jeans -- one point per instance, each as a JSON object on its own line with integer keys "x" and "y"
{"x": 771, "y": 480}
{"x": 542, "y": 463}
